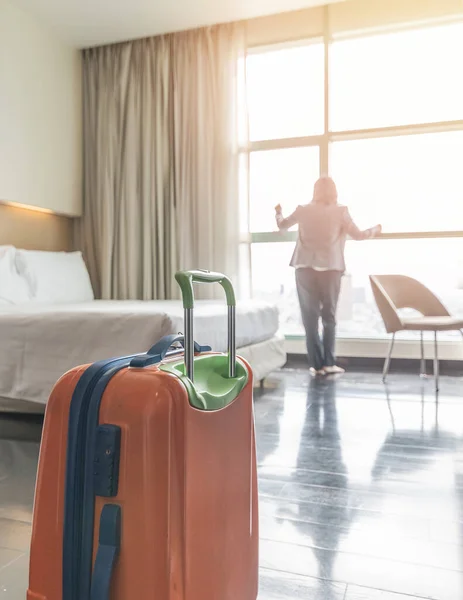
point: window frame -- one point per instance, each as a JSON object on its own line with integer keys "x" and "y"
{"x": 324, "y": 140}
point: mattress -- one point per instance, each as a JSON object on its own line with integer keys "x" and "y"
{"x": 255, "y": 322}
{"x": 264, "y": 358}
{"x": 39, "y": 343}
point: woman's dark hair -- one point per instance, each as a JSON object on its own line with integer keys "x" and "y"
{"x": 325, "y": 192}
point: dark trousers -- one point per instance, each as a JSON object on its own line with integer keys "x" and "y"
{"x": 318, "y": 293}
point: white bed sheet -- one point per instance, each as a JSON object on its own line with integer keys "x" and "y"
{"x": 38, "y": 343}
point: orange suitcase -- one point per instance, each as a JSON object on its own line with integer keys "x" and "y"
{"x": 147, "y": 485}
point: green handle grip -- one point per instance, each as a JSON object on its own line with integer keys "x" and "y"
{"x": 185, "y": 279}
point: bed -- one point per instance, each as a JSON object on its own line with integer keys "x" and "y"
{"x": 41, "y": 339}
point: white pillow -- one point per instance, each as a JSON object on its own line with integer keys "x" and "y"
{"x": 55, "y": 277}
{"x": 14, "y": 289}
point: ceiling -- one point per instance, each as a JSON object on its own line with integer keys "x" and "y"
{"x": 86, "y": 23}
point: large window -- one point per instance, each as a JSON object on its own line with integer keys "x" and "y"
{"x": 403, "y": 78}
{"x": 384, "y": 117}
{"x": 280, "y": 176}
{"x": 285, "y": 92}
{"x": 408, "y": 183}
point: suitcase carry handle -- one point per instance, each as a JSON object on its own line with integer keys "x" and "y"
{"x": 159, "y": 351}
{"x": 185, "y": 279}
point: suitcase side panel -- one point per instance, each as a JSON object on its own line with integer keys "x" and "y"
{"x": 221, "y": 502}
{"x": 45, "y": 577}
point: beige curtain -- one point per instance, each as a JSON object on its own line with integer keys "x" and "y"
{"x": 161, "y": 136}
{"x": 208, "y": 84}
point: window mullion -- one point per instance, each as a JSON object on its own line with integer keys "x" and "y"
{"x": 324, "y": 146}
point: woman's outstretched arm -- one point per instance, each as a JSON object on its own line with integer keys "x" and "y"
{"x": 358, "y": 234}
{"x": 287, "y": 223}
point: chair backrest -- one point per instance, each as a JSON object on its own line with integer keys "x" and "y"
{"x": 385, "y": 306}
{"x": 393, "y": 292}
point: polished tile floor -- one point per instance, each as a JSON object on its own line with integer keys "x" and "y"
{"x": 361, "y": 489}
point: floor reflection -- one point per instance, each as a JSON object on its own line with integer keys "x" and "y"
{"x": 421, "y": 437}
{"x": 320, "y": 429}
{"x": 361, "y": 486}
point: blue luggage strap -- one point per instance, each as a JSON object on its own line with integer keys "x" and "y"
{"x": 108, "y": 550}
{"x": 160, "y": 350}
{"x": 76, "y": 450}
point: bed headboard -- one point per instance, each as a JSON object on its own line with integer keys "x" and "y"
{"x": 34, "y": 230}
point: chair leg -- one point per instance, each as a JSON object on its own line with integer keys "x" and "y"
{"x": 423, "y": 362}
{"x": 436, "y": 362}
{"x": 387, "y": 362}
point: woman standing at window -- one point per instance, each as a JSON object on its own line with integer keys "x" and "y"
{"x": 319, "y": 262}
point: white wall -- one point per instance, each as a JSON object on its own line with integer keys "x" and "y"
{"x": 40, "y": 115}
{"x": 345, "y": 17}
{"x": 357, "y": 15}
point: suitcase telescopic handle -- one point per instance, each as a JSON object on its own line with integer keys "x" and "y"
{"x": 186, "y": 279}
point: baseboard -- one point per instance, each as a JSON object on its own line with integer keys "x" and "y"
{"x": 378, "y": 348}
{"x": 375, "y": 365}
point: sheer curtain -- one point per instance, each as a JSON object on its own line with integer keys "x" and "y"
{"x": 161, "y": 167}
